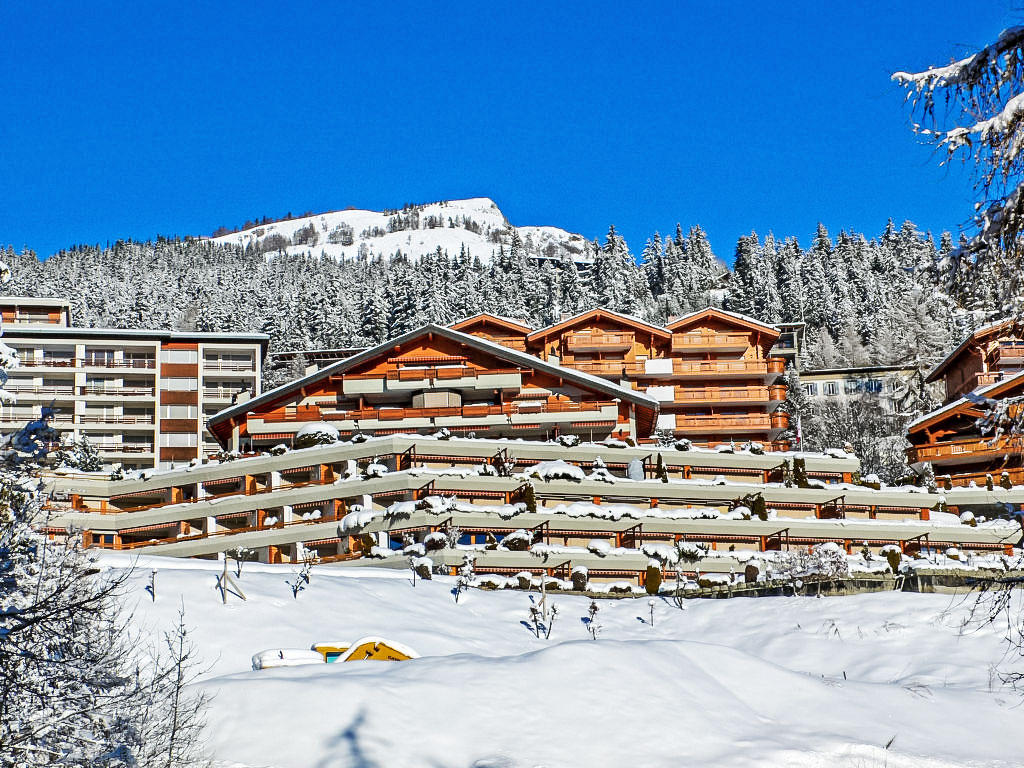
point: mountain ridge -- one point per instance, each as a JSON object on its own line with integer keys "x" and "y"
{"x": 474, "y": 226}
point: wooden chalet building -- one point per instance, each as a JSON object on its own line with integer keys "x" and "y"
{"x": 989, "y": 364}
{"x": 436, "y": 377}
{"x": 710, "y": 370}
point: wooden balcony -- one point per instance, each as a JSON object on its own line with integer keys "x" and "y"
{"x": 953, "y": 451}
{"x": 780, "y": 420}
{"x": 710, "y": 342}
{"x": 711, "y": 395}
{"x": 710, "y": 369}
{"x": 610, "y": 369}
{"x": 466, "y": 411}
{"x": 512, "y": 342}
{"x": 1010, "y": 353}
{"x": 723, "y": 423}
{"x": 599, "y": 342}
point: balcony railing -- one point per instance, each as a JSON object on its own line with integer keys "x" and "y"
{"x": 40, "y": 389}
{"x": 217, "y": 365}
{"x": 124, "y": 447}
{"x": 721, "y": 394}
{"x": 599, "y": 341}
{"x": 108, "y": 391}
{"x": 221, "y": 394}
{"x": 464, "y": 411}
{"x": 963, "y": 449}
{"x": 724, "y": 422}
{"x": 689, "y": 342}
{"x": 93, "y": 418}
{"x": 70, "y": 362}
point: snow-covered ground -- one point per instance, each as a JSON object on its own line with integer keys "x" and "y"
{"x": 742, "y": 682}
{"x": 370, "y": 233}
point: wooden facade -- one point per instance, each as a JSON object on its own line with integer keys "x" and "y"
{"x": 438, "y": 378}
{"x": 710, "y": 371}
{"x": 990, "y": 354}
{"x": 952, "y": 440}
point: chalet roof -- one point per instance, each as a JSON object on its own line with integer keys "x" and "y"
{"x": 723, "y": 315}
{"x": 598, "y": 313}
{"x": 506, "y": 322}
{"x": 985, "y": 330}
{"x": 949, "y": 409}
{"x": 513, "y": 356}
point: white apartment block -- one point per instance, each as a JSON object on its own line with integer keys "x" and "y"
{"x": 142, "y": 397}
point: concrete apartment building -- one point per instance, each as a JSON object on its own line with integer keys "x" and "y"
{"x": 142, "y": 397}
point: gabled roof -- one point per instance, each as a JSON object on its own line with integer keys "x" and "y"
{"x": 985, "y": 330}
{"x": 949, "y": 409}
{"x": 722, "y": 314}
{"x": 598, "y": 314}
{"x": 485, "y": 317}
{"x": 520, "y": 359}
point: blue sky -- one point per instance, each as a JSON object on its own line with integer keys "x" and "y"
{"x": 138, "y": 119}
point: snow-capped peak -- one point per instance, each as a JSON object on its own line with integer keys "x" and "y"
{"x": 476, "y": 225}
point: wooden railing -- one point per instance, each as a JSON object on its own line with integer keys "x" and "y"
{"x": 465, "y": 411}
{"x": 599, "y": 340}
{"x": 953, "y": 449}
{"x": 720, "y": 394}
{"x": 693, "y": 341}
{"x": 723, "y": 421}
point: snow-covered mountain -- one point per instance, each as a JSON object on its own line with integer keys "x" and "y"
{"x": 477, "y": 225}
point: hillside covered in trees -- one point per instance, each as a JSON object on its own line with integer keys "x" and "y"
{"x": 879, "y": 300}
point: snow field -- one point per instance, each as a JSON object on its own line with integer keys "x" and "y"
{"x": 742, "y": 682}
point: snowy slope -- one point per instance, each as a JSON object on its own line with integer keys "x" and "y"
{"x": 742, "y": 682}
{"x": 476, "y": 223}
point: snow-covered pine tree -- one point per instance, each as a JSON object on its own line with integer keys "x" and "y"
{"x": 980, "y": 122}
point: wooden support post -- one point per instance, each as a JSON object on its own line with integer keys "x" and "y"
{"x": 925, "y": 514}
{"x": 597, "y": 499}
{"x": 654, "y": 503}
{"x": 176, "y": 495}
{"x": 249, "y": 485}
{"x": 847, "y": 477}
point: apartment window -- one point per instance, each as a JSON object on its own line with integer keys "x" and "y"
{"x": 139, "y": 359}
{"x": 179, "y": 440}
{"x": 99, "y": 356}
{"x": 179, "y": 356}
{"x": 831, "y": 388}
{"x": 179, "y": 412}
{"x": 811, "y": 388}
{"x": 179, "y": 384}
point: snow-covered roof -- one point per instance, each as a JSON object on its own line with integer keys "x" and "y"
{"x": 745, "y": 319}
{"x": 950, "y": 407}
{"x": 14, "y": 331}
{"x": 505, "y": 353}
{"x": 938, "y": 370}
{"x": 569, "y": 321}
{"x": 501, "y": 319}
